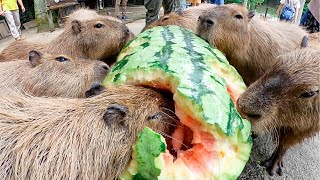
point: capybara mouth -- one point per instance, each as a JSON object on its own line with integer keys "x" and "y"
{"x": 180, "y": 137}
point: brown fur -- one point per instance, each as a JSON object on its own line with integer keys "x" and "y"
{"x": 250, "y": 44}
{"x": 50, "y": 77}
{"x": 314, "y": 40}
{"x": 277, "y": 103}
{"x": 46, "y": 138}
{"x": 186, "y": 19}
{"x": 80, "y": 39}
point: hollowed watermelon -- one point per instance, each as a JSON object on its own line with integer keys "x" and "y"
{"x": 205, "y": 88}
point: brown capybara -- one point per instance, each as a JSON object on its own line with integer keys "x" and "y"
{"x": 51, "y": 75}
{"x": 98, "y": 37}
{"x": 285, "y": 101}
{"x": 250, "y": 44}
{"x": 186, "y": 19}
{"x": 62, "y": 138}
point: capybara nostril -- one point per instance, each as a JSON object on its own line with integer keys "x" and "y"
{"x": 253, "y": 116}
{"x": 209, "y": 22}
{"x": 106, "y": 67}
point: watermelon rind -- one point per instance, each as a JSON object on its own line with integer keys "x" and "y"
{"x": 198, "y": 76}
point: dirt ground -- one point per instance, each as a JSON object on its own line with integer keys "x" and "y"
{"x": 301, "y": 162}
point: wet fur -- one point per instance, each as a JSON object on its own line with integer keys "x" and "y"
{"x": 251, "y": 44}
{"x": 60, "y": 138}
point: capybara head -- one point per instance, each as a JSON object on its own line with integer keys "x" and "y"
{"x": 52, "y": 75}
{"x": 185, "y": 19}
{"x": 92, "y": 36}
{"x": 287, "y": 95}
{"x": 225, "y": 26}
{"x": 101, "y": 37}
{"x": 90, "y": 138}
{"x": 173, "y": 18}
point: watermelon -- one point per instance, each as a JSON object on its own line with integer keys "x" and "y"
{"x": 205, "y": 88}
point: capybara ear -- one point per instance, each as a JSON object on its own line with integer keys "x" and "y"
{"x": 251, "y": 14}
{"x": 115, "y": 114}
{"x": 95, "y": 89}
{"x": 76, "y": 26}
{"x": 35, "y": 58}
{"x": 304, "y": 42}
{"x": 109, "y": 13}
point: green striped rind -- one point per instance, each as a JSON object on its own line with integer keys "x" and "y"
{"x": 177, "y": 57}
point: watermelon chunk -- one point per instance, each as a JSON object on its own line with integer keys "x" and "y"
{"x": 205, "y": 87}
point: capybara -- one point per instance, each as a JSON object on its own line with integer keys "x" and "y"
{"x": 90, "y": 138}
{"x": 285, "y": 101}
{"x": 250, "y": 43}
{"x": 51, "y": 75}
{"x": 94, "y": 37}
{"x": 186, "y": 19}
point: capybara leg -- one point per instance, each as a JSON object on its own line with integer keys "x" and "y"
{"x": 115, "y": 114}
{"x": 95, "y": 89}
{"x": 274, "y": 164}
{"x": 287, "y": 138}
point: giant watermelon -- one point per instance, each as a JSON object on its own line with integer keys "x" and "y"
{"x": 205, "y": 88}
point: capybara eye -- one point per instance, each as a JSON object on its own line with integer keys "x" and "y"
{"x": 99, "y": 25}
{"x": 309, "y": 94}
{"x": 62, "y": 59}
{"x": 156, "y": 116}
{"x": 238, "y": 16}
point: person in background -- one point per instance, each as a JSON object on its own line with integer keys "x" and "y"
{"x": 218, "y": 2}
{"x": 311, "y": 18}
{"x": 288, "y": 10}
{"x": 10, "y": 10}
{"x": 123, "y": 9}
{"x": 180, "y": 5}
{"x": 153, "y": 9}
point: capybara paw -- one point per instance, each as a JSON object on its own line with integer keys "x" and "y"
{"x": 95, "y": 89}
{"x": 273, "y": 166}
{"x": 115, "y": 113}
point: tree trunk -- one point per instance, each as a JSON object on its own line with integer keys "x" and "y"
{"x": 302, "y": 2}
{"x": 43, "y": 16}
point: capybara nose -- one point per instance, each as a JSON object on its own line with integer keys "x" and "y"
{"x": 106, "y": 67}
{"x": 208, "y": 21}
{"x": 247, "y": 113}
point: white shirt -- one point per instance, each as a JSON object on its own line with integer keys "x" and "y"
{"x": 292, "y": 3}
